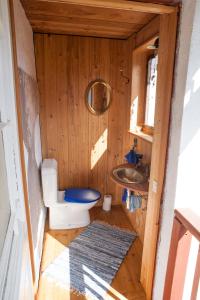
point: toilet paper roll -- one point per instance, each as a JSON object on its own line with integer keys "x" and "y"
{"x": 107, "y": 202}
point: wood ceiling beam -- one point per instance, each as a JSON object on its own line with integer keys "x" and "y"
{"x": 120, "y": 4}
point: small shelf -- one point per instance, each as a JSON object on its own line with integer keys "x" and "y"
{"x": 142, "y": 135}
{"x": 139, "y": 188}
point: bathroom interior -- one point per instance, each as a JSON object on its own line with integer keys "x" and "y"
{"x": 94, "y": 85}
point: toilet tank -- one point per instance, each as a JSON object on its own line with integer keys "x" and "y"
{"x": 49, "y": 182}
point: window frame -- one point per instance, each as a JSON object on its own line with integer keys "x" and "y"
{"x": 145, "y": 127}
{"x": 141, "y": 56}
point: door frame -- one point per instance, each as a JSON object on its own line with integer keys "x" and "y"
{"x": 168, "y": 25}
{"x": 166, "y": 55}
{"x": 20, "y": 136}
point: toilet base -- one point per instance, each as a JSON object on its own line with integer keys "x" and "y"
{"x": 64, "y": 217}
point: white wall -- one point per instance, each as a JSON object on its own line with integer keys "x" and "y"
{"x": 30, "y": 124}
{"x": 15, "y": 267}
{"x": 183, "y": 165}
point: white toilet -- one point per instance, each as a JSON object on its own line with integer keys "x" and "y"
{"x": 69, "y": 208}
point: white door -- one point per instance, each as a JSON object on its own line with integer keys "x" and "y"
{"x": 15, "y": 269}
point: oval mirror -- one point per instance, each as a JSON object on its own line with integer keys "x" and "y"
{"x": 98, "y": 96}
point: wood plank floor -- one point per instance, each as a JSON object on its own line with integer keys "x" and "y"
{"x": 126, "y": 283}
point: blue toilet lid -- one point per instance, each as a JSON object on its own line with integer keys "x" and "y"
{"x": 78, "y": 195}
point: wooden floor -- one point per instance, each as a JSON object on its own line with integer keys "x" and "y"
{"x": 125, "y": 285}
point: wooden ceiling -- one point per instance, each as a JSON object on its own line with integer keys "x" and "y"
{"x": 165, "y": 2}
{"x": 112, "y": 19}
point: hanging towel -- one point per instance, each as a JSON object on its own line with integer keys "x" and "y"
{"x": 124, "y": 195}
{"x": 135, "y": 202}
{"x": 132, "y": 157}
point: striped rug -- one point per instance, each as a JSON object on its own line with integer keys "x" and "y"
{"x": 91, "y": 260}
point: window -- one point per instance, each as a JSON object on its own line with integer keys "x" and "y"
{"x": 143, "y": 89}
{"x": 151, "y": 91}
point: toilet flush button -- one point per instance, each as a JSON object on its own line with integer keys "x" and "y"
{"x": 155, "y": 186}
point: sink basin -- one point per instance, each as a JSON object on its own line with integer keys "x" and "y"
{"x": 128, "y": 174}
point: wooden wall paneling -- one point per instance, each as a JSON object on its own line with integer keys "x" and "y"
{"x": 98, "y": 125}
{"x": 99, "y": 175}
{"x": 145, "y": 148}
{"x": 103, "y": 119}
{"x": 71, "y": 63}
{"x": 112, "y": 145}
{"x": 40, "y": 70}
{"x": 138, "y": 219}
{"x": 115, "y": 121}
{"x": 50, "y": 96}
{"x": 62, "y": 107}
{"x": 164, "y": 87}
{"x": 125, "y": 100}
{"x": 94, "y": 132}
{"x": 117, "y": 117}
{"x": 84, "y": 78}
{"x": 127, "y": 138}
{"x": 81, "y": 112}
{"x": 75, "y": 114}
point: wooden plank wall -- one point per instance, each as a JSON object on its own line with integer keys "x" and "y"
{"x": 138, "y": 70}
{"x": 70, "y": 133}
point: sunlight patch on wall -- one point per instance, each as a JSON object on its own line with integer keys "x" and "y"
{"x": 99, "y": 148}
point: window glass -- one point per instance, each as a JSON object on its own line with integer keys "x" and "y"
{"x": 151, "y": 91}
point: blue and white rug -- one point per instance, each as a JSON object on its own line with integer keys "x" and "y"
{"x": 91, "y": 260}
